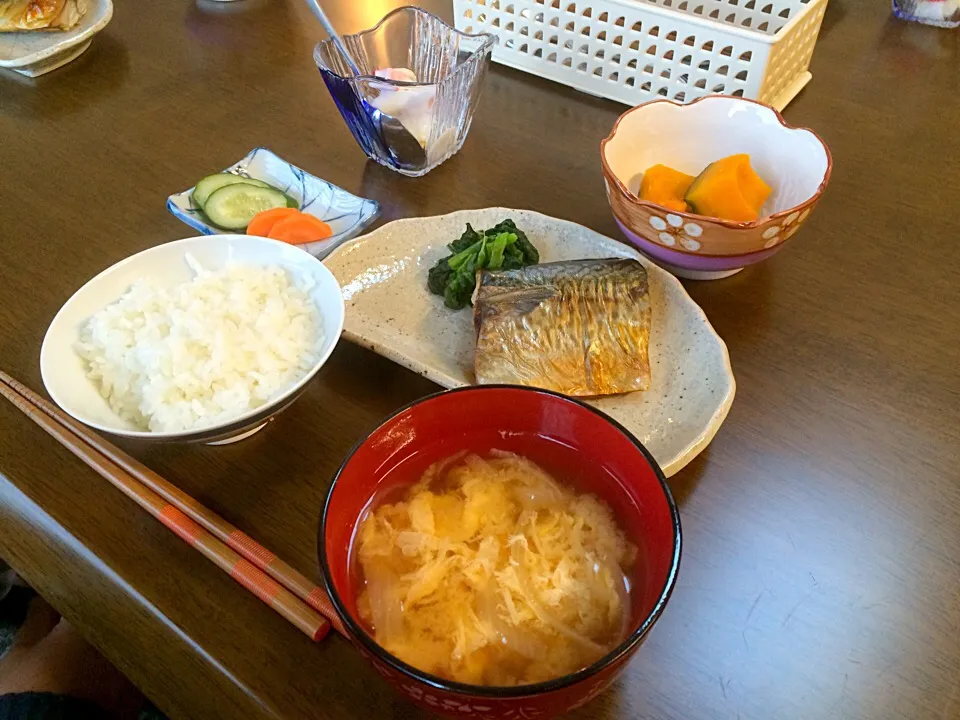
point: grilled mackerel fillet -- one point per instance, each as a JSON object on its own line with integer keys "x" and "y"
{"x": 579, "y": 328}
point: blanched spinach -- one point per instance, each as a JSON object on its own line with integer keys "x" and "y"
{"x": 503, "y": 246}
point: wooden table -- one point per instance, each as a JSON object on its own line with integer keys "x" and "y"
{"x": 821, "y": 566}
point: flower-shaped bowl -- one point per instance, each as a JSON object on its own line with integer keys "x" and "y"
{"x": 795, "y": 162}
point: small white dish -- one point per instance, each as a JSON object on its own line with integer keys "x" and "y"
{"x": 63, "y": 370}
{"x": 36, "y": 52}
{"x": 346, "y": 214}
{"x": 389, "y": 310}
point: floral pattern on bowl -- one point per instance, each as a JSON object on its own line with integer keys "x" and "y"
{"x": 698, "y": 235}
{"x": 345, "y": 213}
{"x": 673, "y": 231}
{"x": 776, "y": 234}
{"x": 794, "y": 161}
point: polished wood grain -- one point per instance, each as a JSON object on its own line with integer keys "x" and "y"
{"x": 821, "y": 567}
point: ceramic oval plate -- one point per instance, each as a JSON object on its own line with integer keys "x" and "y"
{"x": 389, "y": 310}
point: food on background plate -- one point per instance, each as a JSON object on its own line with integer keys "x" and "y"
{"x": 18, "y": 15}
{"x": 665, "y": 186}
{"x": 490, "y": 572}
{"x": 579, "y": 327}
{"x": 289, "y": 225}
{"x": 728, "y": 189}
{"x": 502, "y": 246}
{"x": 205, "y": 351}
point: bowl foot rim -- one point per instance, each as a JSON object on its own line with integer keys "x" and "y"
{"x": 242, "y": 436}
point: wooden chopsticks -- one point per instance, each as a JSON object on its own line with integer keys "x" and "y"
{"x": 246, "y": 561}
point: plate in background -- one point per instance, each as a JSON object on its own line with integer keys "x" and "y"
{"x": 35, "y": 52}
{"x": 390, "y": 311}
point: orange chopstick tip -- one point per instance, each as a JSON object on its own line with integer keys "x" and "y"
{"x": 321, "y": 632}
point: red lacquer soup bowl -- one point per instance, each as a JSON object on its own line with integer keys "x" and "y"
{"x": 573, "y": 441}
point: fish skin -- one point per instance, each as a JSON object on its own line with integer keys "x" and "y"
{"x": 581, "y": 327}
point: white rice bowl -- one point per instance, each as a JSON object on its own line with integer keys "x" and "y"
{"x": 155, "y": 342}
{"x": 200, "y": 353}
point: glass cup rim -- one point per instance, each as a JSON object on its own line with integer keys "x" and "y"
{"x": 489, "y": 40}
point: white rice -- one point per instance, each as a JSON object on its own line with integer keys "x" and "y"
{"x": 204, "y": 352}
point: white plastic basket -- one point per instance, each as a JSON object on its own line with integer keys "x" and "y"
{"x": 638, "y": 50}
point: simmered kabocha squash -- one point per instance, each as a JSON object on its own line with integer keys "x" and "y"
{"x": 665, "y": 186}
{"x": 728, "y": 189}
